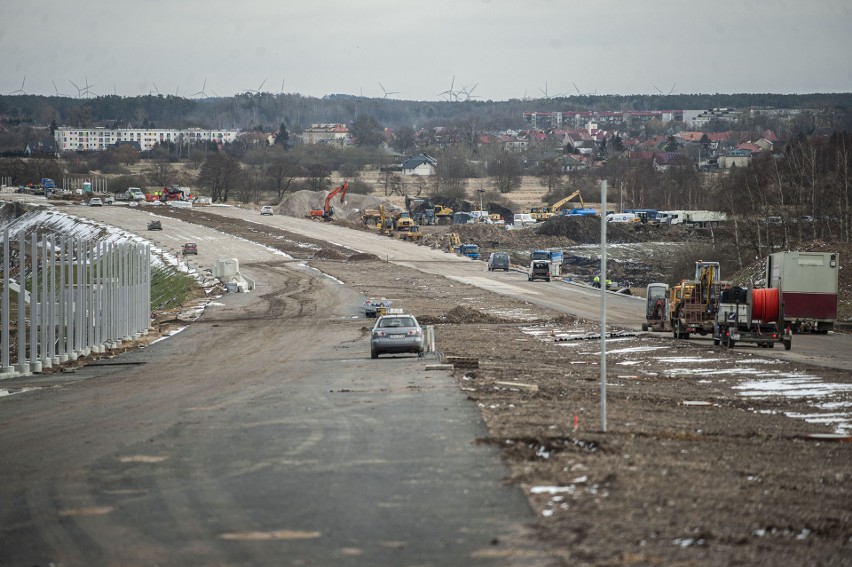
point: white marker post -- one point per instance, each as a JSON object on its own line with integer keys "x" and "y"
{"x": 603, "y": 305}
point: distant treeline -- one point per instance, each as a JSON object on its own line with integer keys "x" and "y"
{"x": 266, "y": 111}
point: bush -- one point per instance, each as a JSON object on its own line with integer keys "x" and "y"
{"x": 359, "y": 187}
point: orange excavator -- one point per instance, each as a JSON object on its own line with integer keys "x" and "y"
{"x": 327, "y": 211}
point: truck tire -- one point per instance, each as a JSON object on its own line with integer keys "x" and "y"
{"x": 374, "y": 353}
{"x": 788, "y": 345}
{"x": 644, "y": 326}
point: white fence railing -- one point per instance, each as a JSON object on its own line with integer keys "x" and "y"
{"x": 72, "y": 296}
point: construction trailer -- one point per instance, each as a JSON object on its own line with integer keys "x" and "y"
{"x": 808, "y": 283}
{"x": 748, "y": 315}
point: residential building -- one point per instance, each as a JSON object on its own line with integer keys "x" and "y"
{"x": 100, "y": 139}
{"x": 422, "y": 164}
{"x": 335, "y": 134}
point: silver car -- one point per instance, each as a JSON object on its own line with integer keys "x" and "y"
{"x": 396, "y": 334}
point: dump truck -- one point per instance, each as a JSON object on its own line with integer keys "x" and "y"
{"x": 808, "y": 283}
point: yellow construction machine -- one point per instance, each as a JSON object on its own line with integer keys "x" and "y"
{"x": 544, "y": 213}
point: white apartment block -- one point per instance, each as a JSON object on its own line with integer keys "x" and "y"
{"x": 99, "y": 139}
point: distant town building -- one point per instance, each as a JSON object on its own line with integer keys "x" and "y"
{"x": 700, "y": 118}
{"x": 100, "y": 139}
{"x": 578, "y": 119}
{"x": 335, "y": 134}
{"x": 735, "y": 158}
{"x": 422, "y": 164}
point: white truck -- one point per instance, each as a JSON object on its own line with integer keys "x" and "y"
{"x": 692, "y": 219}
{"x": 809, "y": 284}
{"x": 703, "y": 219}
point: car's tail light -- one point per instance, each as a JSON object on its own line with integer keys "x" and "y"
{"x": 414, "y": 333}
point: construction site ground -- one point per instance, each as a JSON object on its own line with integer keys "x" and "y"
{"x": 710, "y": 456}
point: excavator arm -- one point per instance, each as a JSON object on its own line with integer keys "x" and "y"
{"x": 558, "y": 204}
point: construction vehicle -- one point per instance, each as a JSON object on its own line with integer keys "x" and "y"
{"x": 809, "y": 285}
{"x": 370, "y": 217}
{"x": 455, "y": 243}
{"x": 544, "y": 213}
{"x": 656, "y": 307}
{"x": 555, "y": 257}
{"x": 412, "y": 234}
{"x": 443, "y": 215}
{"x": 403, "y": 222}
{"x": 693, "y": 303}
{"x": 745, "y": 314}
{"x": 469, "y": 250}
{"x": 385, "y": 223}
{"x": 326, "y": 213}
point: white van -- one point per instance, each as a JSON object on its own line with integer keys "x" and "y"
{"x": 621, "y": 217}
{"x": 523, "y": 219}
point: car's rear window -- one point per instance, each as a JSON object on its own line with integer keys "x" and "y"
{"x": 397, "y": 322}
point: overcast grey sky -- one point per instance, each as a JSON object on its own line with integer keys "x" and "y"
{"x": 508, "y": 49}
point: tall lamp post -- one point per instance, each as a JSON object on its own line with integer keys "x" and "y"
{"x": 480, "y": 191}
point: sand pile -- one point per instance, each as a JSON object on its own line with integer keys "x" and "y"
{"x": 298, "y": 203}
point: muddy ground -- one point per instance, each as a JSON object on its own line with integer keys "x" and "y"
{"x": 694, "y": 468}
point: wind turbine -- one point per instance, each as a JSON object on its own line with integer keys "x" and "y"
{"x": 451, "y": 95}
{"x": 583, "y": 94}
{"x": 79, "y": 90}
{"x": 257, "y": 90}
{"x": 156, "y": 90}
{"x": 468, "y": 93}
{"x": 20, "y": 90}
{"x": 201, "y": 92}
{"x": 282, "y": 87}
{"x": 87, "y": 88}
{"x": 387, "y": 93}
{"x": 57, "y": 89}
{"x": 661, "y": 92}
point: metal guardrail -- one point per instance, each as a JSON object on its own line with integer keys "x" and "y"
{"x": 74, "y": 297}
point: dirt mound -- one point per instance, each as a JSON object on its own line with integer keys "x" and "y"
{"x": 328, "y": 254}
{"x": 587, "y": 230}
{"x": 362, "y": 257}
{"x": 459, "y": 315}
{"x": 298, "y": 203}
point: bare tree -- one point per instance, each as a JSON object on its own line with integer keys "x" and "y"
{"x": 219, "y": 175}
{"x": 282, "y": 172}
{"x": 505, "y": 172}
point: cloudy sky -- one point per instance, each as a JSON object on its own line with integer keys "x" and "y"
{"x": 492, "y": 49}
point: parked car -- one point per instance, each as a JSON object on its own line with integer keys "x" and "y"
{"x": 396, "y": 334}
{"x": 190, "y": 248}
{"x": 155, "y": 225}
{"x": 498, "y": 261}
{"x": 95, "y": 202}
{"x": 266, "y": 210}
{"x": 109, "y": 200}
